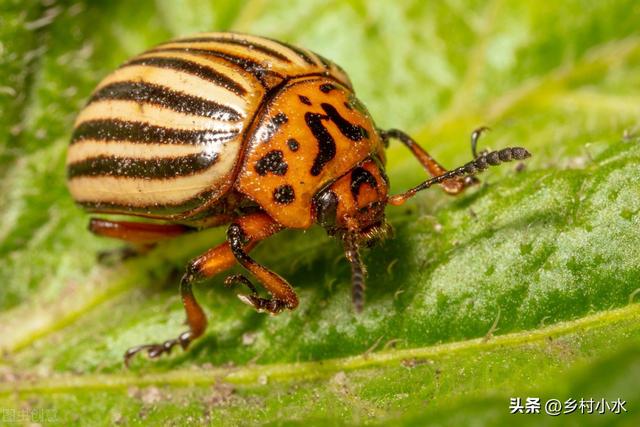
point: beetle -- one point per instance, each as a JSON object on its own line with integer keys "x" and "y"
{"x": 229, "y": 128}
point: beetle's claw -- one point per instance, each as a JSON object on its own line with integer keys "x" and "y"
{"x": 239, "y": 278}
{"x": 156, "y": 350}
{"x": 270, "y": 305}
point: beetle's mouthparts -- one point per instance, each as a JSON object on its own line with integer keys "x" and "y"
{"x": 375, "y": 233}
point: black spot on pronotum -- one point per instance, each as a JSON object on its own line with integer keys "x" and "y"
{"x": 293, "y": 144}
{"x": 353, "y": 132}
{"x": 327, "y": 87}
{"x": 271, "y": 126}
{"x": 326, "y": 143}
{"x": 284, "y": 194}
{"x": 279, "y": 119}
{"x": 361, "y": 176}
{"x": 304, "y": 100}
{"x": 272, "y": 162}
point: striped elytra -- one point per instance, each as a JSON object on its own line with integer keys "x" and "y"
{"x": 226, "y": 128}
{"x": 174, "y": 131}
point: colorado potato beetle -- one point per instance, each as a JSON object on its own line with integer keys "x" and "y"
{"x": 227, "y": 128}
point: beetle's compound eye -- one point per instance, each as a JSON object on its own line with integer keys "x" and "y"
{"x": 326, "y": 205}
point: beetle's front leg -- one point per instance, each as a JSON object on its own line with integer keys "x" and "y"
{"x": 282, "y": 294}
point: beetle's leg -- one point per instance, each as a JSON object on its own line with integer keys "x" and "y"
{"x": 136, "y": 232}
{"x": 452, "y": 186}
{"x": 257, "y": 226}
{"x": 142, "y": 235}
{"x": 196, "y": 319}
{"x": 282, "y": 294}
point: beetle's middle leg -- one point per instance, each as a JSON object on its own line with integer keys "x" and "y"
{"x": 452, "y": 186}
{"x": 255, "y": 227}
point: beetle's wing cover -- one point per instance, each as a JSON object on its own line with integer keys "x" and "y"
{"x": 162, "y": 134}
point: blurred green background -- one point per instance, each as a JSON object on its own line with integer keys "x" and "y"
{"x": 526, "y": 286}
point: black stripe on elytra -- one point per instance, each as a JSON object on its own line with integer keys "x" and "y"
{"x": 325, "y": 61}
{"x": 138, "y": 132}
{"x": 164, "y": 209}
{"x": 360, "y": 176}
{"x": 239, "y": 42}
{"x": 298, "y": 51}
{"x": 191, "y": 67}
{"x": 165, "y": 97}
{"x": 126, "y": 167}
{"x": 272, "y": 162}
{"x": 259, "y": 71}
{"x": 326, "y": 143}
{"x": 353, "y": 132}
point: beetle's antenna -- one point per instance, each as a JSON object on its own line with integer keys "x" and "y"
{"x": 475, "y": 166}
{"x": 357, "y": 272}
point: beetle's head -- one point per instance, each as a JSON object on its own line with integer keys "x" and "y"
{"x": 352, "y": 209}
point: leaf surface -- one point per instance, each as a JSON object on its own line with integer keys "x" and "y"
{"x": 524, "y": 286}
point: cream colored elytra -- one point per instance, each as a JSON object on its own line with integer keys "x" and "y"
{"x": 162, "y": 135}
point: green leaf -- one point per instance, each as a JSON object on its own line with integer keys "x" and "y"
{"x": 526, "y": 286}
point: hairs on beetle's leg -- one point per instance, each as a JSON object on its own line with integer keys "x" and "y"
{"x": 473, "y": 167}
{"x": 357, "y": 272}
